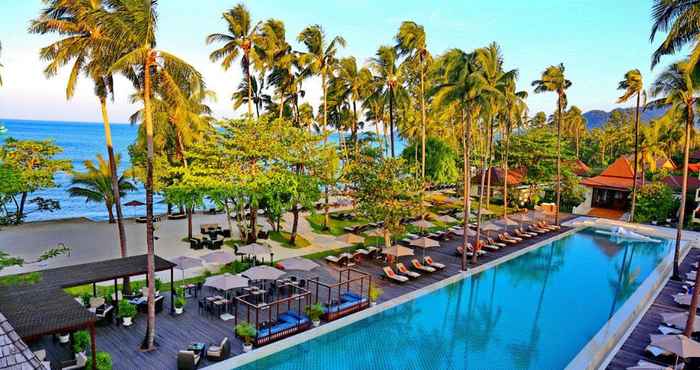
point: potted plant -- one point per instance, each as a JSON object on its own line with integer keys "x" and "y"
{"x": 179, "y": 301}
{"x": 315, "y": 311}
{"x": 103, "y": 361}
{"x": 85, "y": 297}
{"x": 247, "y": 332}
{"x": 64, "y": 338}
{"x": 158, "y": 285}
{"x": 81, "y": 342}
{"x": 374, "y": 293}
{"x": 126, "y": 312}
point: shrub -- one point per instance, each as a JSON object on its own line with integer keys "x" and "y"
{"x": 103, "y": 361}
{"x": 375, "y": 292}
{"x": 314, "y": 311}
{"x": 126, "y": 309}
{"x": 85, "y": 297}
{"x": 246, "y": 331}
{"x": 81, "y": 341}
{"x": 655, "y": 202}
{"x": 158, "y": 285}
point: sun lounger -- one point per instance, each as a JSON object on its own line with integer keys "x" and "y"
{"x": 429, "y": 261}
{"x": 526, "y": 232}
{"x": 488, "y": 246}
{"x": 651, "y": 365}
{"x": 460, "y": 251}
{"x": 656, "y": 351}
{"x": 391, "y": 275}
{"x": 666, "y": 330}
{"x": 546, "y": 226}
{"x": 535, "y": 229}
{"x": 513, "y": 237}
{"x": 504, "y": 239}
{"x": 418, "y": 266}
{"x": 493, "y": 242}
{"x": 338, "y": 260}
{"x": 520, "y": 234}
{"x": 406, "y": 272}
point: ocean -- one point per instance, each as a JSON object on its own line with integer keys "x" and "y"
{"x": 82, "y": 141}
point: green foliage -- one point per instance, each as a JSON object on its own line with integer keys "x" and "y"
{"x": 572, "y": 193}
{"x": 440, "y": 160}
{"x": 314, "y": 311}
{"x": 180, "y": 300}
{"x": 158, "y": 285}
{"x": 85, "y": 298}
{"x": 104, "y": 361}
{"x": 375, "y": 292}
{"x": 126, "y": 309}
{"x": 283, "y": 238}
{"x": 21, "y": 279}
{"x": 81, "y": 341}
{"x": 536, "y": 151}
{"x": 655, "y": 202}
{"x": 6, "y": 260}
{"x": 246, "y": 331}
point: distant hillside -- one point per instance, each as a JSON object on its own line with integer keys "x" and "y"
{"x": 597, "y": 118}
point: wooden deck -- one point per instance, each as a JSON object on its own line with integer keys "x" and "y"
{"x": 633, "y": 348}
{"x": 174, "y": 333}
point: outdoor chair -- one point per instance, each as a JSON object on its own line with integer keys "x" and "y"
{"x": 512, "y": 237}
{"x": 105, "y": 315}
{"x": 418, "y": 266}
{"x": 488, "y": 246}
{"x": 493, "y": 242}
{"x": 406, "y": 272}
{"x": 195, "y": 243}
{"x": 536, "y": 229}
{"x": 520, "y": 233}
{"x": 429, "y": 261}
{"x": 96, "y": 302}
{"x": 391, "y": 275}
{"x": 187, "y": 360}
{"x": 221, "y": 351}
{"x": 505, "y": 239}
{"x": 78, "y": 363}
{"x": 217, "y": 244}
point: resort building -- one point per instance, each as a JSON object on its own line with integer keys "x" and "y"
{"x": 607, "y": 195}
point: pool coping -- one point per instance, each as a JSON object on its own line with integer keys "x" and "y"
{"x": 601, "y": 348}
{"x": 259, "y": 353}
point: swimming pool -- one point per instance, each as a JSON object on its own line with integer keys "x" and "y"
{"x": 535, "y": 311}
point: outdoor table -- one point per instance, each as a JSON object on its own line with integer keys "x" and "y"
{"x": 197, "y": 348}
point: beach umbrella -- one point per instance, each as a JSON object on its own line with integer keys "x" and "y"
{"x": 423, "y": 224}
{"x": 185, "y": 263}
{"x": 254, "y": 249}
{"x": 506, "y": 222}
{"x": 425, "y": 243}
{"x": 263, "y": 272}
{"x": 219, "y": 257}
{"x": 134, "y": 203}
{"x": 297, "y": 263}
{"x": 679, "y": 319}
{"x": 350, "y": 238}
{"x": 446, "y": 219}
{"x": 460, "y": 232}
{"x": 398, "y": 251}
{"x": 679, "y": 345}
{"x": 488, "y": 227}
{"x": 226, "y": 282}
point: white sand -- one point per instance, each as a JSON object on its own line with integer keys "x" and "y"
{"x": 95, "y": 241}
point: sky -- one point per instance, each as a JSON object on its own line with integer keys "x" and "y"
{"x": 597, "y": 40}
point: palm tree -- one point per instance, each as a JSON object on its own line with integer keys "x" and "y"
{"x": 512, "y": 117}
{"x": 679, "y": 20}
{"x": 574, "y": 123}
{"x": 241, "y": 38}
{"x": 410, "y": 41}
{"x": 389, "y": 80}
{"x": 553, "y": 80}
{"x": 84, "y": 45}
{"x": 676, "y": 88}
{"x": 459, "y": 82}
{"x": 151, "y": 71}
{"x": 95, "y": 184}
{"x": 275, "y": 54}
{"x": 352, "y": 85}
{"x": 633, "y": 86}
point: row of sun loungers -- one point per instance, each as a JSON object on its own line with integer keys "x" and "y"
{"x": 418, "y": 269}
{"x": 349, "y": 259}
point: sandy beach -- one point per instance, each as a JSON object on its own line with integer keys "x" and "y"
{"x": 91, "y": 241}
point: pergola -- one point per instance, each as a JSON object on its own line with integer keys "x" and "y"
{"x": 44, "y": 308}
{"x": 347, "y": 278}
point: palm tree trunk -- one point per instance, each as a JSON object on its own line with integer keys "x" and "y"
{"x": 281, "y": 102}
{"x": 110, "y": 213}
{"x": 681, "y": 212}
{"x": 326, "y": 206}
{"x": 488, "y": 166}
{"x": 422, "y": 108}
{"x": 355, "y": 136}
{"x": 20, "y": 209}
{"x": 391, "y": 119}
{"x": 556, "y": 215}
{"x": 578, "y": 141}
{"x": 481, "y": 200}
{"x": 506, "y": 137}
{"x": 467, "y": 178}
{"x": 149, "y": 343}
{"x": 246, "y": 63}
{"x": 636, "y": 151}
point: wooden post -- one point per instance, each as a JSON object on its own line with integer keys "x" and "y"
{"x": 172, "y": 292}
{"x": 93, "y": 347}
{"x": 116, "y": 298}
{"x": 94, "y": 290}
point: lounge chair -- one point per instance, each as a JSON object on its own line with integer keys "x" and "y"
{"x": 391, "y": 275}
{"x": 78, "y": 363}
{"x": 187, "y": 360}
{"x": 460, "y": 251}
{"x": 429, "y": 261}
{"x": 546, "y": 225}
{"x": 651, "y": 365}
{"x": 218, "y": 352}
{"x": 513, "y": 237}
{"x": 338, "y": 260}
{"x": 505, "y": 239}
{"x": 656, "y": 351}
{"x": 520, "y": 234}
{"x": 406, "y": 272}
{"x": 522, "y": 231}
{"x": 418, "y": 266}
{"x": 533, "y": 228}
{"x": 493, "y": 242}
{"x": 488, "y": 246}
{"x": 666, "y": 330}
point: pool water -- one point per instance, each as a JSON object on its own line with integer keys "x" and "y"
{"x": 536, "y": 311}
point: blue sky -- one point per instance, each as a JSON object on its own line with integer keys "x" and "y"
{"x": 597, "y": 40}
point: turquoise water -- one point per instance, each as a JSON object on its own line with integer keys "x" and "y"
{"x": 83, "y": 141}
{"x": 533, "y": 312}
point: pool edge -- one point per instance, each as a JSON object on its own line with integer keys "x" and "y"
{"x": 270, "y": 349}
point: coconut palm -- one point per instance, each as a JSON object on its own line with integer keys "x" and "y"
{"x": 83, "y": 44}
{"x": 553, "y": 80}
{"x": 679, "y": 20}
{"x": 573, "y": 125}
{"x": 241, "y": 38}
{"x": 352, "y": 85}
{"x": 460, "y": 82}
{"x": 151, "y": 71}
{"x": 512, "y": 115}
{"x": 410, "y": 42}
{"x": 95, "y": 184}
{"x": 389, "y": 88}
{"x": 633, "y": 86}
{"x": 675, "y": 88}
{"x": 259, "y": 98}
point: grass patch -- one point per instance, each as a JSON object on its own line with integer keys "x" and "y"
{"x": 22, "y": 279}
{"x": 335, "y": 226}
{"x": 283, "y": 237}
